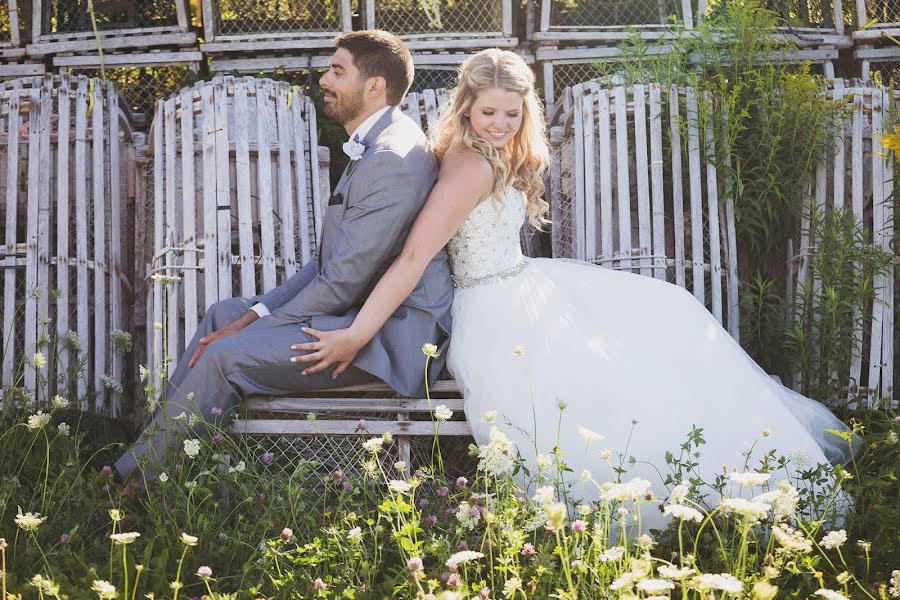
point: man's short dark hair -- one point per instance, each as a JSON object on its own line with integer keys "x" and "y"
{"x": 378, "y": 53}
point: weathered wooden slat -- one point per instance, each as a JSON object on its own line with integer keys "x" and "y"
{"x": 642, "y": 176}
{"x": 304, "y": 215}
{"x": 623, "y": 190}
{"x": 303, "y": 405}
{"x": 264, "y": 188}
{"x": 712, "y": 207}
{"x": 285, "y": 192}
{"x": 876, "y": 358}
{"x": 171, "y": 294}
{"x": 888, "y": 333}
{"x": 605, "y": 171}
{"x": 323, "y": 427}
{"x": 43, "y": 222}
{"x": 98, "y": 200}
{"x": 189, "y": 216}
{"x": 313, "y": 145}
{"x": 657, "y": 190}
{"x": 412, "y": 108}
{"x": 431, "y": 112}
{"x": 82, "y": 283}
{"x": 115, "y": 237}
{"x": 696, "y": 194}
{"x": 677, "y": 186}
{"x": 242, "y": 178}
{"x": 63, "y": 176}
{"x": 579, "y": 174}
{"x": 210, "y": 269}
{"x": 590, "y": 195}
{"x": 857, "y": 179}
{"x": 9, "y": 248}
{"x": 223, "y": 190}
{"x": 30, "y": 334}
{"x": 839, "y": 169}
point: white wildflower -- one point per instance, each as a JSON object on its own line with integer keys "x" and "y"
{"x": 512, "y": 585}
{"x": 59, "y": 402}
{"x": 748, "y": 509}
{"x": 400, "y": 465}
{"x": 163, "y": 477}
{"x": 679, "y": 493}
{"x": 623, "y": 582}
{"x": 442, "y": 413}
{"x": 750, "y": 478}
{"x": 104, "y": 589}
{"x": 463, "y": 557}
{"x": 165, "y": 279}
{"x": 40, "y": 360}
{"x": 724, "y": 582}
{"x": 430, "y": 350}
{"x": 238, "y": 468}
{"x": 144, "y": 373}
{"x": 834, "y": 539}
{"x": 589, "y": 436}
{"x": 604, "y": 454}
{"x": 355, "y": 534}
{"x": 398, "y": 486}
{"x": 830, "y": 595}
{"x": 489, "y": 417}
{"x": 192, "y": 448}
{"x": 791, "y": 540}
{"x": 895, "y": 583}
{"x": 611, "y": 554}
{"x": 631, "y": 490}
{"x": 544, "y": 462}
{"x": 799, "y": 458}
{"x": 519, "y": 351}
{"x": 645, "y": 542}
{"x": 683, "y": 513}
{"x": 467, "y": 515}
{"x": 544, "y": 495}
{"x": 496, "y": 457}
{"x": 125, "y": 538}
{"x": 64, "y": 429}
{"x": 189, "y": 540}
{"x": 29, "y": 521}
{"x": 38, "y": 420}
{"x": 670, "y": 572}
{"x": 784, "y": 500}
{"x": 655, "y": 586}
{"x": 373, "y": 445}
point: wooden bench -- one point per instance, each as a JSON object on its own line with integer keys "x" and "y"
{"x": 330, "y": 425}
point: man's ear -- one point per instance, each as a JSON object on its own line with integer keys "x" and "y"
{"x": 376, "y": 86}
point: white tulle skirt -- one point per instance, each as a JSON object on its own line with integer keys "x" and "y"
{"x": 637, "y": 360}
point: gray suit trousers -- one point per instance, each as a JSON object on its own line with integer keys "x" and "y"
{"x": 256, "y": 360}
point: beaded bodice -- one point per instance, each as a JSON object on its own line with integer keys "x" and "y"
{"x": 487, "y": 244}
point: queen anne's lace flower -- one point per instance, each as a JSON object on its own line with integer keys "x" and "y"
{"x": 373, "y": 445}
{"x": 679, "y": 493}
{"x": 784, "y": 500}
{"x": 104, "y": 589}
{"x": 611, "y": 554}
{"x": 684, "y": 513}
{"x": 29, "y": 521}
{"x": 834, "y": 539}
{"x": 750, "y": 478}
{"x": 496, "y": 457}
{"x": 463, "y": 557}
{"x": 723, "y": 581}
{"x": 125, "y": 538}
{"x": 59, "y": 402}
{"x": 655, "y": 586}
{"x": 748, "y": 509}
{"x": 670, "y": 572}
{"x": 38, "y": 420}
{"x": 192, "y": 448}
{"x": 830, "y": 595}
{"x": 544, "y": 495}
{"x": 895, "y": 583}
{"x": 512, "y": 585}
{"x": 467, "y": 517}
{"x": 442, "y": 413}
{"x": 791, "y": 540}
{"x": 631, "y": 490}
{"x": 398, "y": 486}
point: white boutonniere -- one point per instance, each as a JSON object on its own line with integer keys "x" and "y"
{"x": 354, "y": 148}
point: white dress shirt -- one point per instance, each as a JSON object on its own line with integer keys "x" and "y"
{"x": 259, "y": 308}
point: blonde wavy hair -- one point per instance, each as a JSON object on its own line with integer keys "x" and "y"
{"x": 525, "y": 158}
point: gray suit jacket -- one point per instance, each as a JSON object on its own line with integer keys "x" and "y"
{"x": 363, "y": 234}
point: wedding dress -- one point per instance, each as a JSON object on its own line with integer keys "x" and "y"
{"x": 635, "y": 359}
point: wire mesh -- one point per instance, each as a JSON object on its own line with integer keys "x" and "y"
{"x": 433, "y": 78}
{"x": 69, "y": 16}
{"x": 439, "y": 16}
{"x": 141, "y": 87}
{"x": 236, "y": 17}
{"x": 612, "y": 13}
{"x": 885, "y": 73}
{"x": 883, "y": 12}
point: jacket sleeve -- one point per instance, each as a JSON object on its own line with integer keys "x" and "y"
{"x": 277, "y": 296}
{"x": 378, "y": 214}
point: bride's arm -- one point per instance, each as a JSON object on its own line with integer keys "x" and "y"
{"x": 465, "y": 179}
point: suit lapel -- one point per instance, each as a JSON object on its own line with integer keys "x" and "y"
{"x": 380, "y": 125}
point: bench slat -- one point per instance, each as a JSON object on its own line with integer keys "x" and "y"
{"x": 349, "y": 404}
{"x": 443, "y": 386}
{"x": 316, "y": 427}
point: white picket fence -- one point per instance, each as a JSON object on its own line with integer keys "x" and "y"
{"x": 67, "y": 162}
{"x": 625, "y": 195}
{"x": 858, "y": 176}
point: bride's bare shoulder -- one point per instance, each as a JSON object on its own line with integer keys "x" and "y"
{"x": 470, "y": 165}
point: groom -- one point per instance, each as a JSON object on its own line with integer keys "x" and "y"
{"x": 243, "y": 346}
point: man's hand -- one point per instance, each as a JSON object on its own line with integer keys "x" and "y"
{"x": 337, "y": 348}
{"x": 229, "y": 330}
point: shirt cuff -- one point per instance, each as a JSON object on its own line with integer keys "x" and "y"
{"x": 260, "y": 309}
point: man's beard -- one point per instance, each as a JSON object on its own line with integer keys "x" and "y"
{"x": 346, "y": 109}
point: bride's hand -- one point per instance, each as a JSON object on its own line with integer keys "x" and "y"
{"x": 338, "y": 347}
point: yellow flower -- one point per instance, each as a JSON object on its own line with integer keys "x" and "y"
{"x": 891, "y": 141}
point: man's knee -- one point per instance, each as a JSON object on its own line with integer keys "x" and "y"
{"x": 223, "y": 312}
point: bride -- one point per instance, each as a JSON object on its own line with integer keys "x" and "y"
{"x": 566, "y": 351}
